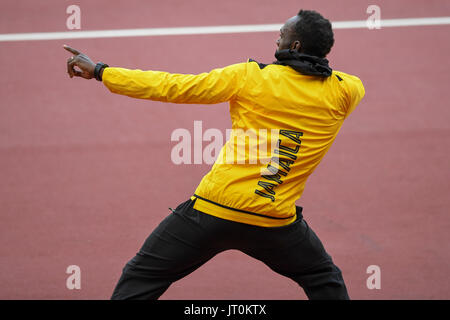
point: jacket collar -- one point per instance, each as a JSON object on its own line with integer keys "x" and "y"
{"x": 303, "y": 63}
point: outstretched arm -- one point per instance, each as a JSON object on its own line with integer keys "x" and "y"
{"x": 219, "y": 85}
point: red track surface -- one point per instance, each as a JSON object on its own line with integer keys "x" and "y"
{"x": 86, "y": 175}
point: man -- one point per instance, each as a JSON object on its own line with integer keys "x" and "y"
{"x": 246, "y": 206}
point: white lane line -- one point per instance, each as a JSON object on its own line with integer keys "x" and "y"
{"x": 148, "y": 32}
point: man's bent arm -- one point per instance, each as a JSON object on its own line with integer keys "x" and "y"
{"x": 217, "y": 86}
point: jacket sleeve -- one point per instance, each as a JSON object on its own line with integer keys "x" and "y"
{"x": 217, "y": 86}
{"x": 355, "y": 92}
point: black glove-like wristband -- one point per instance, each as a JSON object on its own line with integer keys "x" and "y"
{"x": 98, "y": 67}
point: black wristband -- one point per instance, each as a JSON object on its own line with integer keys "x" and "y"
{"x": 98, "y": 67}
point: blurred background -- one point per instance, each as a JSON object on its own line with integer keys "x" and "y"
{"x": 86, "y": 175}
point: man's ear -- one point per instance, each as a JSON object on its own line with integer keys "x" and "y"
{"x": 296, "y": 45}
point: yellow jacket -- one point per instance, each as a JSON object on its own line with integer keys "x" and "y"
{"x": 283, "y": 123}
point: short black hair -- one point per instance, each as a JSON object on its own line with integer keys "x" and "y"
{"x": 315, "y": 33}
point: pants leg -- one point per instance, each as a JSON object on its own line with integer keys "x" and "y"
{"x": 177, "y": 247}
{"x": 297, "y": 253}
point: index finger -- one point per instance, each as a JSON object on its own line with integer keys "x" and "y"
{"x": 74, "y": 51}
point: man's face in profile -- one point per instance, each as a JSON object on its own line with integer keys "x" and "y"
{"x": 287, "y": 39}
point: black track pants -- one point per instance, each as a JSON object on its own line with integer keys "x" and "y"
{"x": 188, "y": 238}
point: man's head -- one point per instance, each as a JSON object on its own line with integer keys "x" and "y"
{"x": 307, "y": 32}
